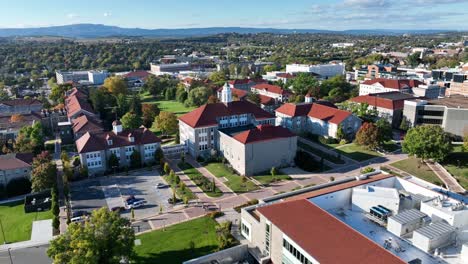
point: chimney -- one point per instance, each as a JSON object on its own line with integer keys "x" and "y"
{"x": 116, "y": 127}
{"x": 131, "y": 138}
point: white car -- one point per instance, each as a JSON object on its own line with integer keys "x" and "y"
{"x": 136, "y": 204}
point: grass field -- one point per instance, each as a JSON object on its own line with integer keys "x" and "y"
{"x": 410, "y": 165}
{"x": 172, "y": 245}
{"x": 166, "y": 105}
{"x": 200, "y": 180}
{"x": 457, "y": 164}
{"x": 16, "y": 223}
{"x": 234, "y": 181}
{"x": 357, "y": 152}
{"x": 266, "y": 178}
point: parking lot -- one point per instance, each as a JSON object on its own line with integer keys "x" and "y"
{"x": 111, "y": 192}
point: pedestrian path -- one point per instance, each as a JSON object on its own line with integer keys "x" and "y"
{"x": 446, "y": 177}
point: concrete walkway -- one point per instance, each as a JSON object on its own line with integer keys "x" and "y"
{"x": 41, "y": 234}
{"x": 446, "y": 177}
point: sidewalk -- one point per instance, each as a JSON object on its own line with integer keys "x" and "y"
{"x": 446, "y": 177}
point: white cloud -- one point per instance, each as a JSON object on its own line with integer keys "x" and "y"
{"x": 72, "y": 15}
{"x": 107, "y": 14}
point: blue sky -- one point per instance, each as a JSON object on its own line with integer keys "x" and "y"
{"x": 312, "y": 14}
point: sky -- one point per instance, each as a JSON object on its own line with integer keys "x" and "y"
{"x": 295, "y": 14}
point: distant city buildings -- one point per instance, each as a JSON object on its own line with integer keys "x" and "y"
{"x": 381, "y": 85}
{"x": 343, "y": 45}
{"x": 85, "y": 77}
{"x": 325, "y": 71}
{"x": 159, "y": 69}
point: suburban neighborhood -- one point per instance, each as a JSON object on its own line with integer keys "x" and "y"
{"x": 234, "y": 145}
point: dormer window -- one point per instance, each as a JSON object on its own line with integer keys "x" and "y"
{"x": 109, "y": 142}
{"x": 131, "y": 138}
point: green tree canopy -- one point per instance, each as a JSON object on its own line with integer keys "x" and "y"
{"x": 198, "y": 96}
{"x": 116, "y": 85}
{"x": 166, "y": 122}
{"x": 105, "y": 238}
{"x": 303, "y": 83}
{"x": 427, "y": 142}
{"x": 44, "y": 172}
{"x": 131, "y": 121}
{"x": 149, "y": 112}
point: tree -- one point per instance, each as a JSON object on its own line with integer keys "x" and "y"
{"x": 218, "y": 77}
{"x": 113, "y": 161}
{"x": 245, "y": 71}
{"x": 303, "y": 83}
{"x": 135, "y": 159}
{"x": 427, "y": 142}
{"x": 30, "y": 139}
{"x": 404, "y": 125}
{"x": 105, "y": 238}
{"x": 385, "y": 130}
{"x": 16, "y": 118}
{"x": 181, "y": 95}
{"x": 213, "y": 99}
{"x": 135, "y": 104}
{"x": 116, "y": 85}
{"x": 273, "y": 173}
{"x": 131, "y": 121}
{"x": 340, "y": 134}
{"x": 44, "y": 172}
{"x": 159, "y": 155}
{"x": 166, "y": 122}
{"x": 149, "y": 113}
{"x": 153, "y": 85}
{"x": 254, "y": 98}
{"x": 167, "y": 168}
{"x": 122, "y": 104}
{"x": 198, "y": 96}
{"x": 57, "y": 93}
{"x": 368, "y": 135}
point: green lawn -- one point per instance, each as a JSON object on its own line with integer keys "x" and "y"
{"x": 16, "y": 223}
{"x": 457, "y": 164}
{"x": 318, "y": 152}
{"x": 265, "y": 178}
{"x": 234, "y": 181}
{"x": 357, "y": 152}
{"x": 422, "y": 171}
{"x": 201, "y": 181}
{"x": 390, "y": 146}
{"x": 166, "y": 105}
{"x": 181, "y": 194}
{"x": 172, "y": 245}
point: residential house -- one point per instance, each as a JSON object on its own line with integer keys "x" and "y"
{"x": 273, "y": 91}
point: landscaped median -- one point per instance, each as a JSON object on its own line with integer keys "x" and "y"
{"x": 238, "y": 184}
{"x": 17, "y": 224}
{"x": 266, "y": 178}
{"x": 207, "y": 186}
{"x": 457, "y": 164}
{"x": 417, "y": 168}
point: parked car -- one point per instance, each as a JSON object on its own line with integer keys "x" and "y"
{"x": 78, "y": 216}
{"x": 161, "y": 185}
{"x": 136, "y": 204}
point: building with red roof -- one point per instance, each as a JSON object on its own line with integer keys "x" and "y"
{"x": 317, "y": 118}
{"x": 15, "y": 166}
{"x": 389, "y": 105}
{"x": 245, "y": 84}
{"x": 336, "y": 223}
{"x": 381, "y": 85}
{"x": 95, "y": 148}
{"x": 258, "y": 148}
{"x": 273, "y": 91}
{"x": 199, "y": 128}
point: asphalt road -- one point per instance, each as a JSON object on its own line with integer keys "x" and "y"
{"x": 32, "y": 255}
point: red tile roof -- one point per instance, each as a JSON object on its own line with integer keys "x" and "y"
{"x": 137, "y": 75}
{"x": 21, "y": 102}
{"x": 378, "y": 102}
{"x": 98, "y": 141}
{"x": 294, "y": 110}
{"x": 285, "y": 75}
{"x": 328, "y": 114}
{"x": 74, "y": 104}
{"x": 240, "y": 93}
{"x": 206, "y": 115}
{"x": 324, "y": 237}
{"x": 394, "y": 84}
{"x": 75, "y": 91}
{"x": 271, "y": 88}
{"x": 266, "y": 100}
{"x": 263, "y": 133}
{"x": 16, "y": 161}
{"x": 246, "y": 81}
{"x": 85, "y": 124}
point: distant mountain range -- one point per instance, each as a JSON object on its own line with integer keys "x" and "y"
{"x": 98, "y": 30}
